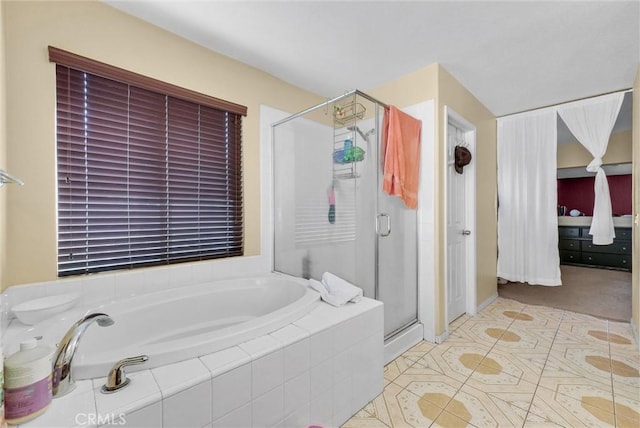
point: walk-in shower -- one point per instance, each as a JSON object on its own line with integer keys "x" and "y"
{"x": 330, "y": 213}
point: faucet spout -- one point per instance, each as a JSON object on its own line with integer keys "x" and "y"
{"x": 63, "y": 381}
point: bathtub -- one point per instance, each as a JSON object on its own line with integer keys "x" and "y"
{"x": 180, "y": 324}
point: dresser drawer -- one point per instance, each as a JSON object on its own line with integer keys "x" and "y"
{"x": 584, "y": 232}
{"x": 568, "y": 232}
{"x": 623, "y": 233}
{"x": 569, "y": 244}
{"x": 610, "y": 260}
{"x": 569, "y": 256}
{"x": 618, "y": 247}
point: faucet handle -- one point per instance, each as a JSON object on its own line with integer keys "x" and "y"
{"x": 117, "y": 378}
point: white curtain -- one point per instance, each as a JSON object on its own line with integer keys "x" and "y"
{"x": 591, "y": 122}
{"x": 527, "y": 197}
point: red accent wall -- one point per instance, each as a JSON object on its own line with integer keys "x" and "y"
{"x": 577, "y": 193}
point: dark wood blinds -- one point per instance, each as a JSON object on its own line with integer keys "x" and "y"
{"x": 144, "y": 178}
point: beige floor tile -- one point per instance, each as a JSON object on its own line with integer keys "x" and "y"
{"x": 400, "y": 364}
{"x": 535, "y": 421}
{"x": 627, "y": 412}
{"x": 406, "y": 409}
{"x": 523, "y": 339}
{"x": 501, "y": 302}
{"x": 622, "y": 422}
{"x": 456, "y": 360}
{"x": 628, "y": 350}
{"x": 521, "y": 363}
{"x": 627, "y": 409}
{"x": 436, "y": 391}
{"x": 363, "y": 422}
{"x": 591, "y": 394}
{"x": 479, "y": 331}
{"x": 502, "y": 385}
{"x": 514, "y": 366}
{"x": 448, "y": 420}
{"x": 422, "y": 347}
{"x": 369, "y": 416}
{"x": 625, "y": 376}
{"x": 582, "y": 335}
{"x": 484, "y": 410}
{"x": 625, "y": 393}
{"x": 516, "y": 399}
{"x": 391, "y": 371}
{"x": 622, "y": 337}
{"x": 574, "y": 318}
{"x": 458, "y": 322}
{"x": 380, "y": 410}
{"x": 539, "y": 316}
{"x": 568, "y": 382}
{"x": 499, "y": 313}
{"x": 568, "y": 412}
{"x": 543, "y": 331}
{"x": 626, "y": 365}
{"x": 579, "y": 362}
{"x": 388, "y": 408}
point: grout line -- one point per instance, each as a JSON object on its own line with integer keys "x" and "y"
{"x": 535, "y": 391}
{"x": 613, "y": 392}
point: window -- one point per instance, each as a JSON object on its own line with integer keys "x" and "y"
{"x": 148, "y": 173}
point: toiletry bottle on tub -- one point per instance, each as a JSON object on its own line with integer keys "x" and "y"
{"x": 27, "y": 388}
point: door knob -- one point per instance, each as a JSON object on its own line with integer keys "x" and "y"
{"x": 466, "y": 232}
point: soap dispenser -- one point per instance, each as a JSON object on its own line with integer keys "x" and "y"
{"x": 27, "y": 388}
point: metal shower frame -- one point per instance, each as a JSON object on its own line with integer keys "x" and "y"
{"x": 325, "y": 104}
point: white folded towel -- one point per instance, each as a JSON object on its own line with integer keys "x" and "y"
{"x": 336, "y": 291}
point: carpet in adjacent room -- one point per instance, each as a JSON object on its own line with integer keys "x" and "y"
{"x": 599, "y": 292}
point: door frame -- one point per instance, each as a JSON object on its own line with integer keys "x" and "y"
{"x": 450, "y": 116}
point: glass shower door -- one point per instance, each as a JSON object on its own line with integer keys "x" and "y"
{"x": 397, "y": 258}
{"x": 331, "y": 215}
{"x": 323, "y": 206}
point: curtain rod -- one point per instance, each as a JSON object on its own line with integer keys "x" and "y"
{"x": 624, "y": 91}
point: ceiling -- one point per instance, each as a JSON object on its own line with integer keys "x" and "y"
{"x": 513, "y": 56}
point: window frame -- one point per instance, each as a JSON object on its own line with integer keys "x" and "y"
{"x": 218, "y": 112}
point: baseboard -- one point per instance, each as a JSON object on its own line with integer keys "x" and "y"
{"x": 441, "y": 338}
{"x": 487, "y": 302}
{"x": 635, "y": 333}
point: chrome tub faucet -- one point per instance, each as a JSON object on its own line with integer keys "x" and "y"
{"x": 63, "y": 381}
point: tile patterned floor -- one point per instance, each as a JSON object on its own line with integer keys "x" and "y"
{"x": 514, "y": 365}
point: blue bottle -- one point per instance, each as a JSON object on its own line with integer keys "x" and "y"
{"x": 348, "y": 149}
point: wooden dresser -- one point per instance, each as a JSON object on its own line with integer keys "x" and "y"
{"x": 576, "y": 248}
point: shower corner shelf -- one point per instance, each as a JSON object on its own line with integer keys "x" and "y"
{"x": 346, "y": 176}
{"x": 348, "y": 113}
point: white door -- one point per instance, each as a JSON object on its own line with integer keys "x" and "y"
{"x": 456, "y": 230}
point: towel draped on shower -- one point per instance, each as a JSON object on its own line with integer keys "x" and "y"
{"x": 401, "y": 155}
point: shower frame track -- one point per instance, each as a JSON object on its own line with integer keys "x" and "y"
{"x": 328, "y": 102}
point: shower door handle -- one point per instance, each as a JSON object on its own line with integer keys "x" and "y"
{"x": 378, "y": 229}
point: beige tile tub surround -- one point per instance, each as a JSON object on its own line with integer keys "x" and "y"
{"x": 514, "y": 365}
{"x": 318, "y": 370}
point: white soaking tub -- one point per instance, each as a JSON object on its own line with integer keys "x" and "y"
{"x": 182, "y": 323}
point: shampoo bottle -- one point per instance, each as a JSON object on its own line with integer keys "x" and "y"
{"x": 27, "y": 385}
